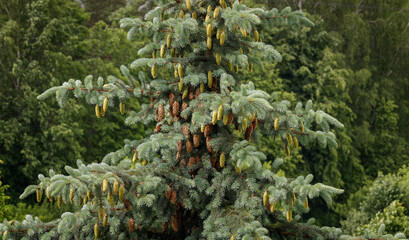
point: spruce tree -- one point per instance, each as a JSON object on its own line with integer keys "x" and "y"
{"x": 198, "y": 175}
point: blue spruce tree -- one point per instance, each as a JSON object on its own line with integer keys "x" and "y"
{"x": 198, "y": 175}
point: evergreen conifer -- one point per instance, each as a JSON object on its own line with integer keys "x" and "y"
{"x": 198, "y": 176}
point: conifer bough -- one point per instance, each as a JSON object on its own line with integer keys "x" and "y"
{"x": 197, "y": 176}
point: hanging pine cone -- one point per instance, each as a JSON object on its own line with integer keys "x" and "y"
{"x": 171, "y": 98}
{"x": 174, "y": 223}
{"x": 191, "y": 94}
{"x": 173, "y": 197}
{"x": 179, "y": 146}
{"x": 185, "y": 131}
{"x": 178, "y": 155}
{"x": 213, "y": 161}
{"x": 131, "y": 225}
{"x": 196, "y": 140}
{"x": 197, "y": 93}
{"x": 230, "y": 119}
{"x": 171, "y": 110}
{"x": 248, "y": 133}
{"x": 151, "y": 100}
{"x": 254, "y": 123}
{"x": 208, "y": 129}
{"x": 176, "y": 108}
{"x": 191, "y": 161}
{"x": 189, "y": 146}
{"x": 208, "y": 145}
{"x": 161, "y": 113}
{"x": 127, "y": 205}
{"x": 158, "y": 128}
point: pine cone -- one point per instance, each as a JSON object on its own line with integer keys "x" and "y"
{"x": 179, "y": 146}
{"x": 214, "y": 87}
{"x": 131, "y": 225}
{"x": 171, "y": 110}
{"x": 174, "y": 223}
{"x": 208, "y": 129}
{"x": 168, "y": 193}
{"x": 152, "y": 99}
{"x": 171, "y": 98}
{"x": 191, "y": 161}
{"x": 231, "y": 118}
{"x": 196, "y": 140}
{"x": 185, "y": 131}
{"x": 161, "y": 112}
{"x": 127, "y": 205}
{"x": 213, "y": 161}
{"x": 184, "y": 106}
{"x": 197, "y": 93}
{"x": 176, "y": 109}
{"x": 189, "y": 146}
{"x": 254, "y": 123}
{"x": 248, "y": 133}
{"x": 158, "y": 128}
{"x": 173, "y": 197}
{"x": 208, "y": 145}
{"x": 191, "y": 94}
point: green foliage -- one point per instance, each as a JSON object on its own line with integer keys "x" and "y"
{"x": 45, "y": 43}
{"x": 385, "y": 201}
{"x": 4, "y": 209}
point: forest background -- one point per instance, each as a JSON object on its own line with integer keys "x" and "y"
{"x": 354, "y": 62}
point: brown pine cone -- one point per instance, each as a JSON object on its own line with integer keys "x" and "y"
{"x": 254, "y": 123}
{"x": 191, "y": 94}
{"x": 208, "y": 129}
{"x": 196, "y": 140}
{"x": 171, "y": 98}
{"x": 171, "y": 110}
{"x": 176, "y": 109}
{"x": 127, "y": 205}
{"x": 173, "y": 197}
{"x": 248, "y": 133}
{"x": 131, "y": 225}
{"x": 158, "y": 128}
{"x": 231, "y": 118}
{"x": 191, "y": 161}
{"x": 161, "y": 112}
{"x": 174, "y": 223}
{"x": 197, "y": 93}
{"x": 168, "y": 193}
{"x": 179, "y": 146}
{"x": 189, "y": 146}
{"x": 185, "y": 131}
{"x": 208, "y": 145}
{"x": 214, "y": 86}
{"x": 184, "y": 106}
{"x": 213, "y": 161}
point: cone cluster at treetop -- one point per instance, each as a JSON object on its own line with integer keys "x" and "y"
{"x": 198, "y": 175}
